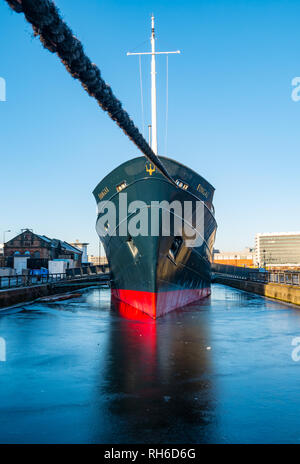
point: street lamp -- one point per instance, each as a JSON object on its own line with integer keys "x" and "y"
{"x": 264, "y": 262}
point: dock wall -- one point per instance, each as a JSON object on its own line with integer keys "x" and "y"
{"x": 14, "y": 296}
{"x": 287, "y": 293}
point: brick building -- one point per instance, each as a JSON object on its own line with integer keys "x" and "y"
{"x": 35, "y": 246}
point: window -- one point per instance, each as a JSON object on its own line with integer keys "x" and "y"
{"x": 121, "y": 186}
{"x": 37, "y": 254}
{"x": 181, "y": 184}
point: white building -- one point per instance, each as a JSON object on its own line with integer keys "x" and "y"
{"x": 277, "y": 249}
{"x": 83, "y": 248}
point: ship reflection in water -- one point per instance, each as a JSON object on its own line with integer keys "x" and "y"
{"x": 88, "y": 371}
{"x": 161, "y": 370}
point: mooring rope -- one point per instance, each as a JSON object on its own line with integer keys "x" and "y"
{"x": 58, "y": 38}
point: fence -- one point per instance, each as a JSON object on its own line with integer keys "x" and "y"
{"x": 7, "y": 282}
{"x": 255, "y": 275}
{"x": 29, "y": 280}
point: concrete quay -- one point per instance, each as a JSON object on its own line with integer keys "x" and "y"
{"x": 282, "y": 292}
{"x": 14, "y": 296}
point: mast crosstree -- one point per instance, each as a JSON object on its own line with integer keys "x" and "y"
{"x": 153, "y": 53}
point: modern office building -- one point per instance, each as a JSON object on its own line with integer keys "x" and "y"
{"x": 278, "y": 249}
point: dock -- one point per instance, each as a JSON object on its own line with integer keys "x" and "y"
{"x": 283, "y": 286}
{"x": 23, "y": 289}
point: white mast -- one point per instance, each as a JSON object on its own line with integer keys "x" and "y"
{"x": 153, "y": 90}
{"x": 153, "y": 85}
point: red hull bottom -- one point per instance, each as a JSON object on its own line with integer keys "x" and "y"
{"x": 161, "y": 303}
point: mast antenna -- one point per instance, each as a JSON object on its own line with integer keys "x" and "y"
{"x": 153, "y": 53}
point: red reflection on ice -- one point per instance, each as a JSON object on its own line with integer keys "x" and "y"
{"x": 129, "y": 312}
{"x": 140, "y": 335}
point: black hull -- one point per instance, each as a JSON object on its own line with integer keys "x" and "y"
{"x": 157, "y": 273}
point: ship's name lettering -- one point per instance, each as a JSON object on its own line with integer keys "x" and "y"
{"x": 103, "y": 193}
{"x": 202, "y": 190}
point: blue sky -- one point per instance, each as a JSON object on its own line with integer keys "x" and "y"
{"x": 231, "y": 116}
